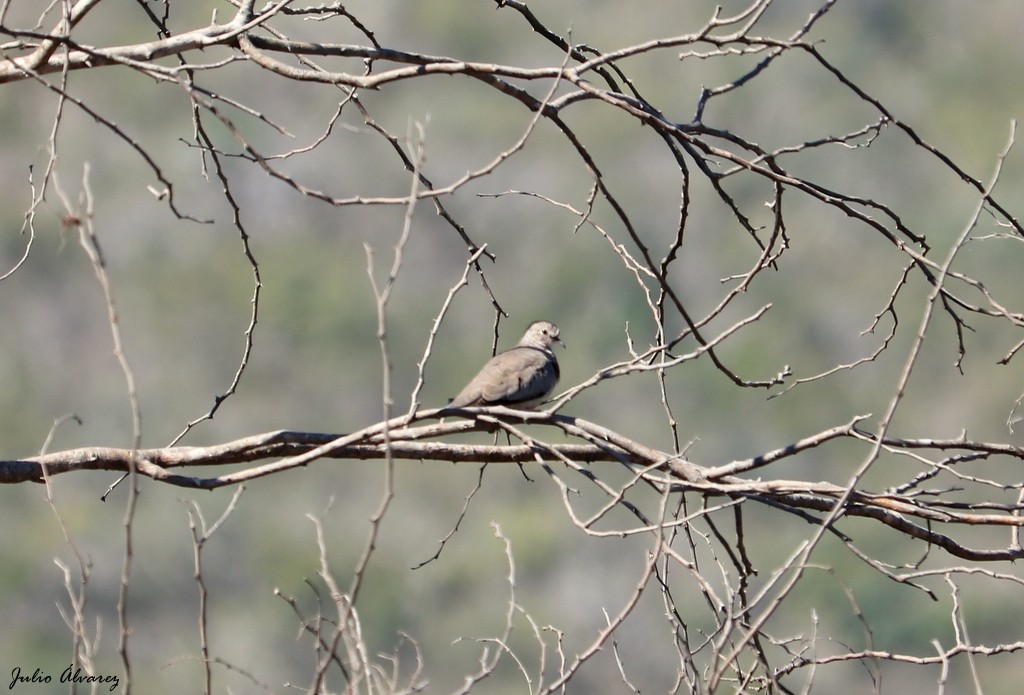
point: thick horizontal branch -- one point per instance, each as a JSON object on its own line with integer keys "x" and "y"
{"x": 43, "y": 61}
{"x": 409, "y": 437}
{"x": 157, "y": 463}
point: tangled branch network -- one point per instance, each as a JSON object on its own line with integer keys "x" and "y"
{"x": 586, "y": 75}
{"x": 748, "y": 223}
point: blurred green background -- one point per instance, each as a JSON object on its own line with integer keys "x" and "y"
{"x": 951, "y": 70}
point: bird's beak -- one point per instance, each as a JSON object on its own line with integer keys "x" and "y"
{"x": 560, "y": 342}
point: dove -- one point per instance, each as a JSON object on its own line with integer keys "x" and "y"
{"x": 520, "y": 377}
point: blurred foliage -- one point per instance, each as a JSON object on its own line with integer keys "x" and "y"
{"x": 184, "y": 293}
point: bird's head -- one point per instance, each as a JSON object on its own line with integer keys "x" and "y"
{"x": 541, "y": 334}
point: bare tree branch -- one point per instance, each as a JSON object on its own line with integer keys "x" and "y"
{"x": 711, "y": 206}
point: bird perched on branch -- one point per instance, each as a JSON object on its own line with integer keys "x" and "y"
{"x": 520, "y": 377}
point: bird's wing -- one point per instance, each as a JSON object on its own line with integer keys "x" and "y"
{"x": 519, "y": 375}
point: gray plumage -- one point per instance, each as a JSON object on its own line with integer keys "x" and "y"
{"x": 520, "y": 377}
